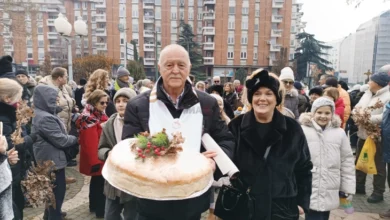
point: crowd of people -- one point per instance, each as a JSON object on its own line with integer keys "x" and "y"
{"x": 294, "y": 146}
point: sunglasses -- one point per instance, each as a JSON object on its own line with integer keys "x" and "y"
{"x": 288, "y": 82}
{"x": 216, "y": 81}
{"x": 103, "y": 103}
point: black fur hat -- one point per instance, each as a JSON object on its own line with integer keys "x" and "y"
{"x": 263, "y": 79}
{"x": 5, "y": 64}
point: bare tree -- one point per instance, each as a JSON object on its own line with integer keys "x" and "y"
{"x": 45, "y": 68}
{"x": 281, "y": 61}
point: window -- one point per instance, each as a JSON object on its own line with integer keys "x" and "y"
{"x": 255, "y": 55}
{"x": 41, "y": 55}
{"x": 40, "y": 43}
{"x": 93, "y": 5}
{"x": 29, "y": 42}
{"x": 173, "y": 2}
{"x": 244, "y": 25}
{"x": 230, "y": 39}
{"x": 158, "y": 29}
{"x": 256, "y": 27}
{"x": 85, "y": 17}
{"x": 199, "y": 16}
{"x": 29, "y": 55}
{"x": 85, "y": 5}
{"x": 245, "y": 10}
{"x": 232, "y": 10}
{"x": 40, "y": 30}
{"x": 76, "y": 5}
{"x": 182, "y": 15}
{"x": 135, "y": 13}
{"x": 230, "y": 55}
{"x": 158, "y": 14}
{"x": 257, "y": 13}
{"x": 122, "y": 55}
{"x": 231, "y": 25}
{"x": 190, "y": 2}
{"x": 135, "y": 28}
{"x": 244, "y": 40}
{"x": 134, "y": 1}
{"x": 243, "y": 55}
{"x": 190, "y": 16}
{"x": 39, "y": 16}
{"x": 173, "y": 15}
{"x": 157, "y": 2}
{"x": 122, "y": 41}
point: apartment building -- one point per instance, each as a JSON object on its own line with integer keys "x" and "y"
{"x": 347, "y": 58}
{"x": 297, "y": 26}
{"x": 233, "y": 33}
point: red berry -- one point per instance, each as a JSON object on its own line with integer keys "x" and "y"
{"x": 139, "y": 150}
{"x": 149, "y": 142}
{"x": 158, "y": 154}
{"x": 147, "y": 151}
{"x": 148, "y": 146}
{"x": 143, "y": 156}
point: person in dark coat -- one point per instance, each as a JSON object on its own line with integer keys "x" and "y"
{"x": 52, "y": 140}
{"x": 218, "y": 89}
{"x": 272, "y": 154}
{"x": 6, "y": 70}
{"x": 78, "y": 94}
{"x": 11, "y": 94}
{"x": 174, "y": 90}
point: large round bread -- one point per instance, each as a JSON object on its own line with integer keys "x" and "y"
{"x": 178, "y": 176}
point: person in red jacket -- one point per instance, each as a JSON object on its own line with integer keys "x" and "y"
{"x": 89, "y": 125}
{"x": 334, "y": 95}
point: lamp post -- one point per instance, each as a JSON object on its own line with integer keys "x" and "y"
{"x": 64, "y": 28}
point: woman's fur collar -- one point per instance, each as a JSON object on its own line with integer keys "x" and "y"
{"x": 292, "y": 93}
{"x": 306, "y": 119}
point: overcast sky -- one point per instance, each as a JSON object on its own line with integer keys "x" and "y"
{"x": 333, "y": 19}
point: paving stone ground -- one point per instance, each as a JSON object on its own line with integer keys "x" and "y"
{"x": 76, "y": 203}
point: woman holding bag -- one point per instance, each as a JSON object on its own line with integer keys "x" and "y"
{"x": 272, "y": 156}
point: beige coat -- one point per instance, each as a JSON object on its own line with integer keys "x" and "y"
{"x": 66, "y": 101}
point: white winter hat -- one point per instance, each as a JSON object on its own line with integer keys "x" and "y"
{"x": 287, "y": 73}
{"x": 322, "y": 101}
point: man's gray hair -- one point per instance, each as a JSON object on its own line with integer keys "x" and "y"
{"x": 173, "y": 47}
{"x": 146, "y": 82}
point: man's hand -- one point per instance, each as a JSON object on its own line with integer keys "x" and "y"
{"x": 210, "y": 155}
{"x": 301, "y": 212}
{"x": 13, "y": 156}
{"x": 3, "y": 144}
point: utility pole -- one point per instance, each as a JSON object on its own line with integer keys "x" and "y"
{"x": 155, "y": 54}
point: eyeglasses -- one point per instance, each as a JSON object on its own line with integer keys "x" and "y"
{"x": 216, "y": 81}
{"x": 103, "y": 103}
{"x": 288, "y": 82}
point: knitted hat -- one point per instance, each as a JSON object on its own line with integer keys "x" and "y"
{"x": 127, "y": 92}
{"x": 23, "y": 72}
{"x": 298, "y": 85}
{"x": 331, "y": 82}
{"x": 381, "y": 78}
{"x": 6, "y": 64}
{"x": 263, "y": 79}
{"x": 316, "y": 90}
{"x": 287, "y": 74}
{"x": 83, "y": 82}
{"x": 122, "y": 72}
{"x": 320, "y": 102}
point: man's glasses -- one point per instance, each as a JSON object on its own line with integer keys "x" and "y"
{"x": 103, "y": 103}
{"x": 288, "y": 82}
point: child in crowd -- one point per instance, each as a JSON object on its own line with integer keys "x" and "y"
{"x": 331, "y": 154}
{"x": 221, "y": 105}
{"x": 334, "y": 95}
{"x": 116, "y": 201}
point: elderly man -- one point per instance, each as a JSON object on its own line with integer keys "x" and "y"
{"x": 177, "y": 103}
{"x": 378, "y": 90}
{"x": 216, "y": 80}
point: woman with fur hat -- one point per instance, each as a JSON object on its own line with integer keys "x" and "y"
{"x": 272, "y": 155}
{"x": 331, "y": 154}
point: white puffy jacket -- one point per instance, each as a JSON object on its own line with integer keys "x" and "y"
{"x": 333, "y": 162}
{"x": 368, "y": 100}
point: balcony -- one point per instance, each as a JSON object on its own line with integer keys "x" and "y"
{"x": 276, "y": 33}
{"x": 101, "y": 33}
{"x": 149, "y": 33}
{"x": 209, "y": 2}
{"x": 148, "y": 19}
{"x": 100, "y": 18}
{"x": 149, "y": 47}
{"x": 148, "y": 62}
{"x": 101, "y": 46}
{"x": 209, "y": 31}
{"x": 8, "y": 47}
{"x": 208, "y": 46}
{"x": 275, "y": 47}
{"x": 148, "y": 5}
{"x": 101, "y": 4}
{"x": 50, "y": 22}
{"x": 277, "y": 18}
{"x": 52, "y": 35}
{"x": 208, "y": 60}
{"x": 209, "y": 15}
{"x": 100, "y": 29}
{"x": 277, "y": 3}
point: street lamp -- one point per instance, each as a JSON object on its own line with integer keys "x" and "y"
{"x": 64, "y": 28}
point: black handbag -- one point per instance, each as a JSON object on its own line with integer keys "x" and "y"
{"x": 235, "y": 201}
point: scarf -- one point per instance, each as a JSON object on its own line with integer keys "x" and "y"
{"x": 118, "y": 128}
{"x": 90, "y": 117}
{"x": 119, "y": 84}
